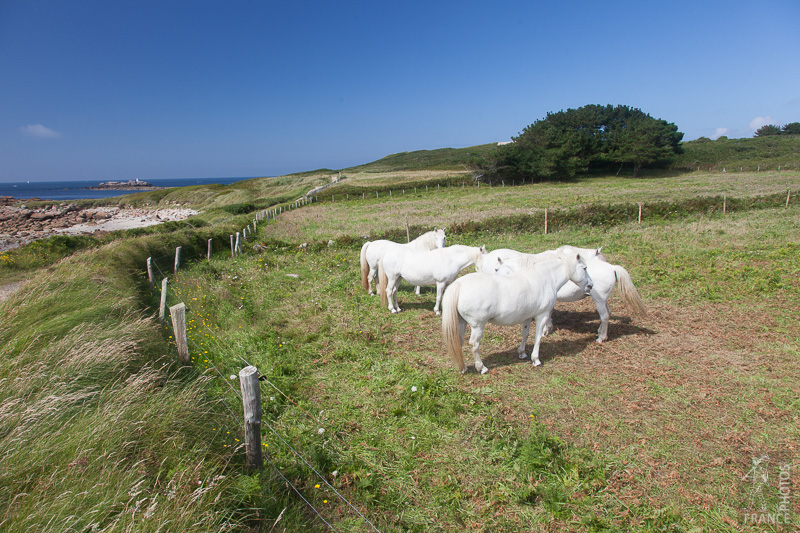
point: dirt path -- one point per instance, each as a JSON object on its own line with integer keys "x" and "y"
{"x": 9, "y": 288}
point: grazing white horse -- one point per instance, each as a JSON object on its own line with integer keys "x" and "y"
{"x": 516, "y": 298}
{"x": 433, "y": 267}
{"x": 373, "y": 251}
{"x": 604, "y": 275}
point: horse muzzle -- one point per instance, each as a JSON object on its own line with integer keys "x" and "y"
{"x": 588, "y": 289}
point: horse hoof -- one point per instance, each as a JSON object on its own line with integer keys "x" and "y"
{"x": 537, "y": 363}
{"x": 523, "y": 356}
{"x": 484, "y": 370}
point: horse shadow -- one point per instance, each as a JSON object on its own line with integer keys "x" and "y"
{"x": 582, "y": 323}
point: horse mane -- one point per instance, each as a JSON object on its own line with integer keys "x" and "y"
{"x": 425, "y": 238}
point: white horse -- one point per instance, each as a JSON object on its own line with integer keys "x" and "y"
{"x": 433, "y": 267}
{"x": 516, "y": 298}
{"x": 604, "y": 275}
{"x": 373, "y": 251}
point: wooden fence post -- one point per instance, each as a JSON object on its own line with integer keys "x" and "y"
{"x": 233, "y": 247}
{"x": 177, "y": 259}
{"x": 251, "y": 399}
{"x": 788, "y": 195}
{"x": 237, "y": 249}
{"x": 162, "y": 310}
{"x": 178, "y": 314}
{"x": 545, "y": 221}
{"x": 724, "y": 203}
{"x": 152, "y": 277}
{"x": 640, "y": 212}
{"x": 210, "y": 247}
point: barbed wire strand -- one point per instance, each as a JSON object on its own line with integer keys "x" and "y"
{"x": 278, "y": 470}
{"x": 277, "y": 435}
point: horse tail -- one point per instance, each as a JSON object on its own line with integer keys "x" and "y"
{"x": 450, "y": 325}
{"x": 364, "y": 267}
{"x": 383, "y": 281}
{"x": 630, "y": 296}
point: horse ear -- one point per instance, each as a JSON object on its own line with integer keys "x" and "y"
{"x": 597, "y": 252}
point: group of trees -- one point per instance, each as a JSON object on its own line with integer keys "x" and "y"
{"x": 793, "y": 128}
{"x": 568, "y": 143}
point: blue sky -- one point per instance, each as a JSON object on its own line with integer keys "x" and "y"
{"x": 178, "y": 89}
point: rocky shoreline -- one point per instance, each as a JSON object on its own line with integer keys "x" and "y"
{"x": 20, "y": 225}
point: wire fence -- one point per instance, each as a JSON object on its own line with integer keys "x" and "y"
{"x": 174, "y": 294}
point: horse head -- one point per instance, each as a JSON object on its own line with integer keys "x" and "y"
{"x": 578, "y": 274}
{"x": 440, "y": 237}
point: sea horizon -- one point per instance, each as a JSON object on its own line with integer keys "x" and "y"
{"x": 80, "y": 189}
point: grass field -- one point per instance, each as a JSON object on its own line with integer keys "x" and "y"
{"x": 654, "y": 430}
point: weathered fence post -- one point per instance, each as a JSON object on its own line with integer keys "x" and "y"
{"x": 545, "y": 221}
{"x": 178, "y": 314}
{"x": 210, "y": 247}
{"x": 152, "y": 277}
{"x": 251, "y": 399}
{"x": 724, "y": 204}
{"x": 162, "y": 310}
{"x": 408, "y": 234}
{"x": 640, "y": 212}
{"x": 177, "y": 259}
{"x": 233, "y": 247}
{"x": 788, "y": 195}
{"x": 238, "y": 246}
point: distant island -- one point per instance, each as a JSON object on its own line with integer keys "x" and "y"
{"x": 129, "y": 185}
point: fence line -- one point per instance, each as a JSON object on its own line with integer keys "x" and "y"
{"x": 179, "y": 330}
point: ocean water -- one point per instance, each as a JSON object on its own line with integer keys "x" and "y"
{"x": 75, "y": 190}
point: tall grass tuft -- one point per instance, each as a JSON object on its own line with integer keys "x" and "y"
{"x": 99, "y": 429}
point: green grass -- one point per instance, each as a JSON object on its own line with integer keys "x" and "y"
{"x": 653, "y": 431}
{"x": 471, "y": 453}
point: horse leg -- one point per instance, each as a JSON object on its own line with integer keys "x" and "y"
{"x": 605, "y": 313}
{"x": 541, "y": 322}
{"x": 439, "y": 292}
{"x": 548, "y": 328}
{"x": 395, "y": 286}
{"x": 416, "y": 290}
{"x": 391, "y": 294}
{"x": 526, "y": 329}
{"x": 372, "y": 277}
{"x": 475, "y": 341}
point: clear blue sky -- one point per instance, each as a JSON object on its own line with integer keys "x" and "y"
{"x": 146, "y": 89}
